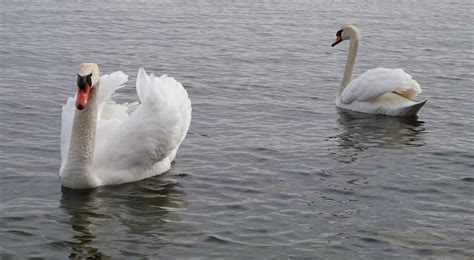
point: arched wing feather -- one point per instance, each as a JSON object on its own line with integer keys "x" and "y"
{"x": 152, "y": 132}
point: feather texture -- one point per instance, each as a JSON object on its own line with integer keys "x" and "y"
{"x": 138, "y": 140}
{"x": 377, "y": 91}
{"x": 376, "y": 82}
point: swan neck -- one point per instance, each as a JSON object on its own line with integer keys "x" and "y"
{"x": 81, "y": 149}
{"x": 351, "y": 59}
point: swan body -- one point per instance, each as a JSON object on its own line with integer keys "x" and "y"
{"x": 377, "y": 91}
{"x": 105, "y": 143}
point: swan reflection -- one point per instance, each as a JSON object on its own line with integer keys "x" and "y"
{"x": 363, "y": 131}
{"x": 134, "y": 211}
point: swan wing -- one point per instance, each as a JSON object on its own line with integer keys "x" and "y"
{"x": 67, "y": 118}
{"x": 109, "y": 83}
{"x": 135, "y": 142}
{"x": 110, "y": 115}
{"x": 376, "y": 82}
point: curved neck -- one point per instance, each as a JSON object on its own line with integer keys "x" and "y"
{"x": 81, "y": 148}
{"x": 350, "y": 63}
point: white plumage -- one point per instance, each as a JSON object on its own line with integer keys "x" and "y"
{"x": 132, "y": 141}
{"x": 377, "y": 91}
{"x": 377, "y": 82}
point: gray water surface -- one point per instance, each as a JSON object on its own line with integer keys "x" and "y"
{"x": 270, "y": 168}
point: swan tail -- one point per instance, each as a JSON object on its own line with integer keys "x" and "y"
{"x": 413, "y": 110}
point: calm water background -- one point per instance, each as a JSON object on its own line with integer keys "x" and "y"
{"x": 270, "y": 168}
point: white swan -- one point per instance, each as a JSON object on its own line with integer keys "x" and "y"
{"x": 377, "y": 91}
{"x": 104, "y": 143}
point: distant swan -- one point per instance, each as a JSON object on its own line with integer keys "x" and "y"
{"x": 105, "y": 143}
{"x": 377, "y": 91}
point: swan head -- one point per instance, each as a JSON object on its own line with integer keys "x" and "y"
{"x": 345, "y": 33}
{"x": 87, "y": 78}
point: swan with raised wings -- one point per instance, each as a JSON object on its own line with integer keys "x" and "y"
{"x": 105, "y": 143}
{"x": 377, "y": 91}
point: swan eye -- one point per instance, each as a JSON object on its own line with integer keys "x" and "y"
{"x": 339, "y": 33}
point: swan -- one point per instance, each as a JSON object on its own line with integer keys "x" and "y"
{"x": 105, "y": 143}
{"x": 377, "y": 91}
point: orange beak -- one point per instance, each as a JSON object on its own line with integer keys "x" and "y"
{"x": 82, "y": 96}
{"x": 337, "y": 41}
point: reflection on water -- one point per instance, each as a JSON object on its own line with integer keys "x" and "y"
{"x": 142, "y": 208}
{"x": 361, "y": 131}
{"x": 82, "y": 206}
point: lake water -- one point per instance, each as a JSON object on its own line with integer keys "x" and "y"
{"x": 270, "y": 168}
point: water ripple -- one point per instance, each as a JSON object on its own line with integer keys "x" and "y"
{"x": 270, "y": 168}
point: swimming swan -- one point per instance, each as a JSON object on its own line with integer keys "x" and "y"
{"x": 105, "y": 143}
{"x": 377, "y": 91}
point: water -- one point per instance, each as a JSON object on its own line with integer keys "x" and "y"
{"x": 270, "y": 168}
